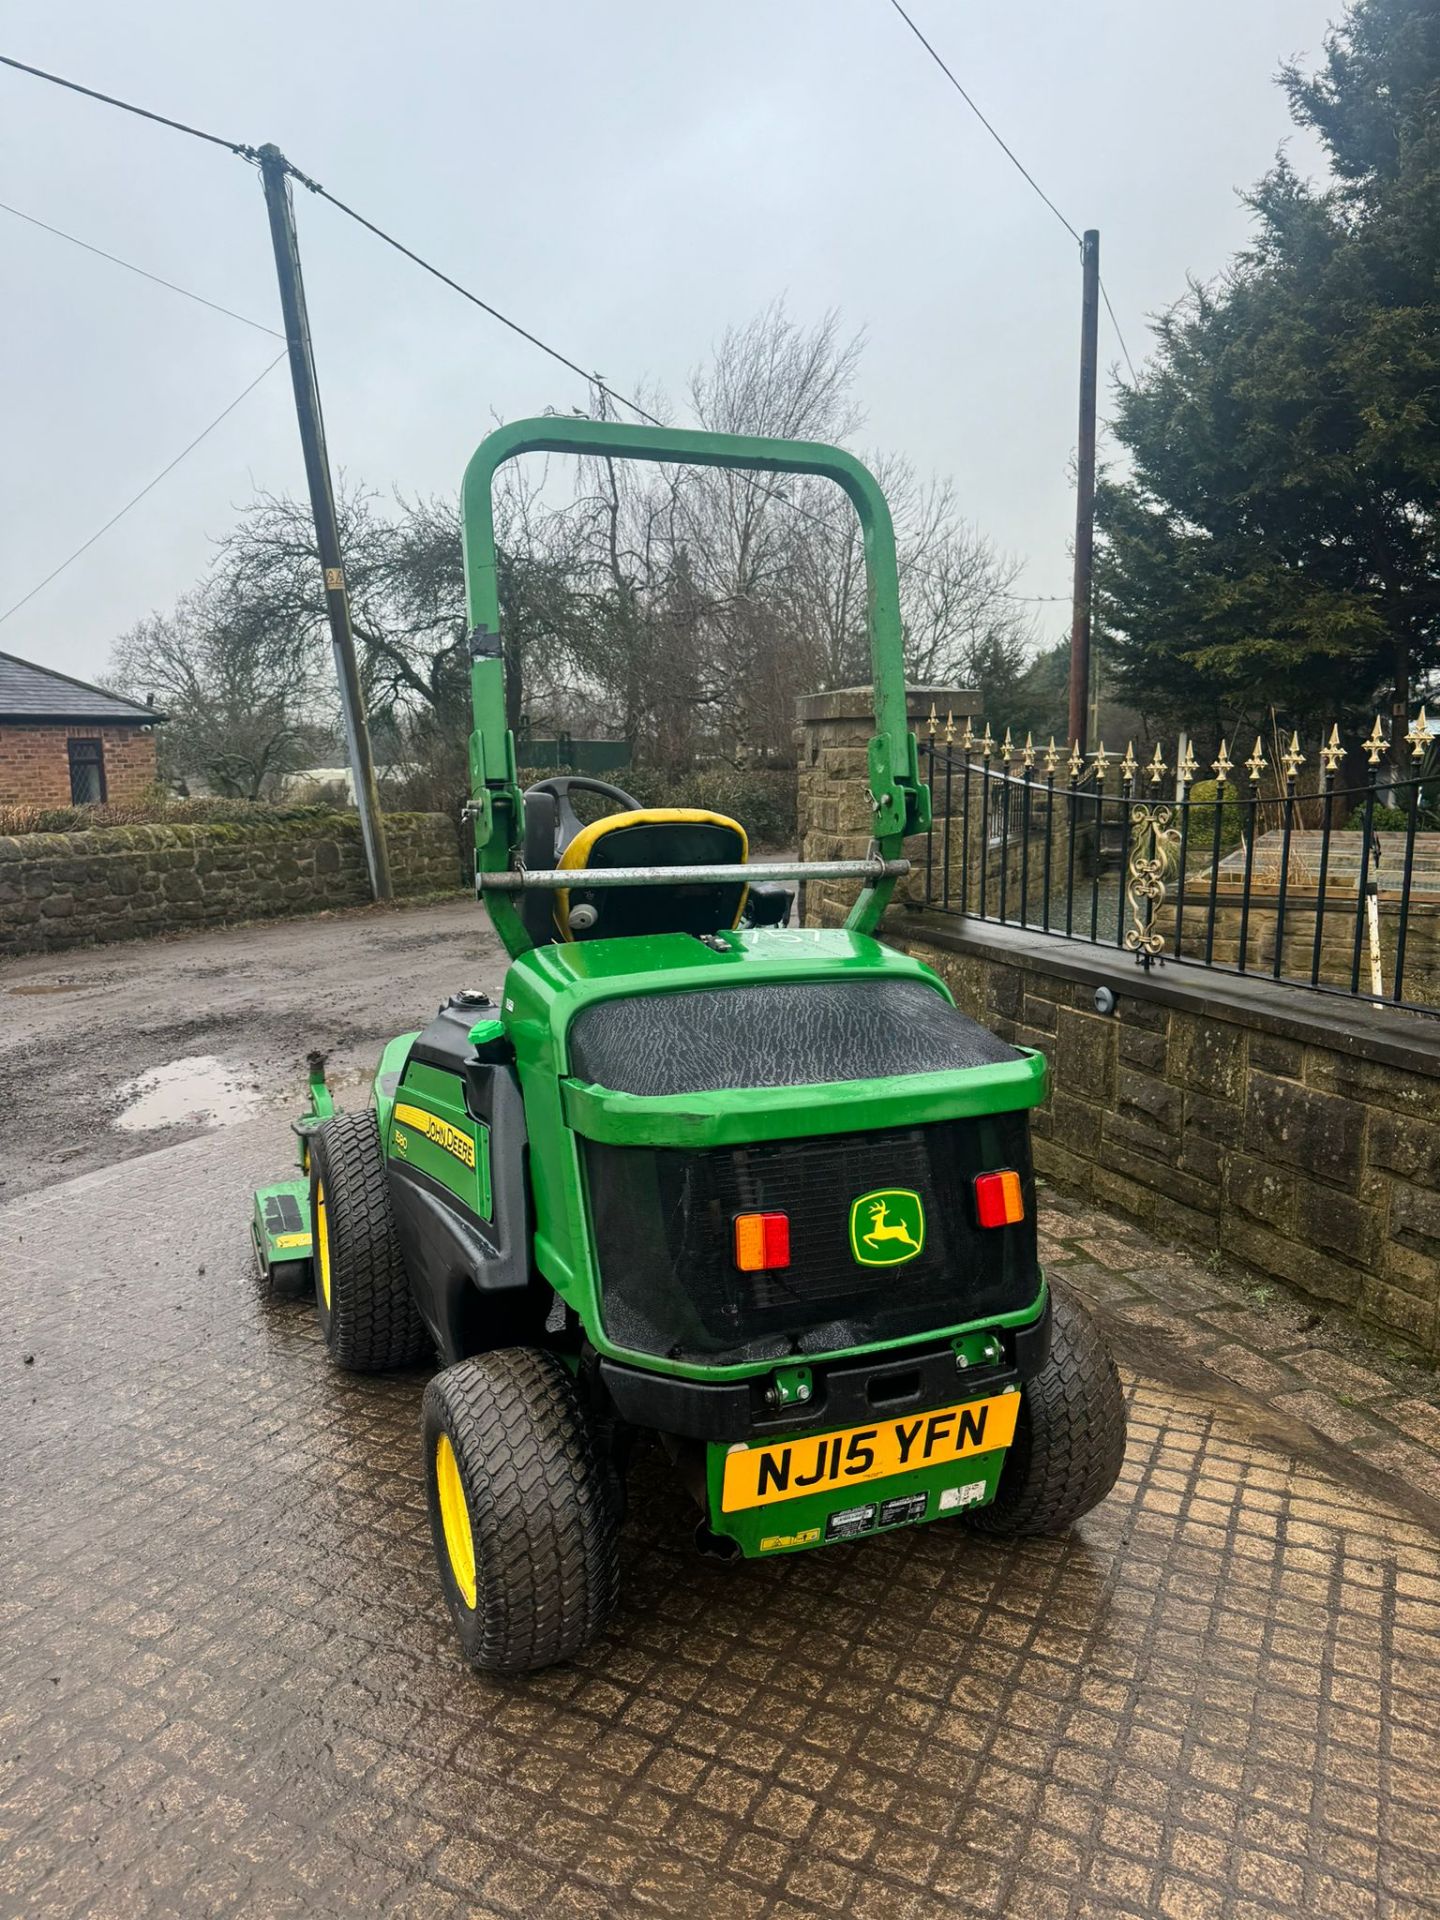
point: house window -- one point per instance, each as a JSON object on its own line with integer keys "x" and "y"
{"x": 87, "y": 773}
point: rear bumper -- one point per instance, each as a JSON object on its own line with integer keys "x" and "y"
{"x": 845, "y": 1391}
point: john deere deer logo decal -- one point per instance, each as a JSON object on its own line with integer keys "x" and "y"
{"x": 887, "y": 1227}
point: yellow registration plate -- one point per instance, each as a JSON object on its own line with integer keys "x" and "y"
{"x": 819, "y": 1463}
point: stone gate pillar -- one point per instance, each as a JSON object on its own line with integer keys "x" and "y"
{"x": 835, "y": 821}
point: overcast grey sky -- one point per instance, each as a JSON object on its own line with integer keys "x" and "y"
{"x": 625, "y": 179}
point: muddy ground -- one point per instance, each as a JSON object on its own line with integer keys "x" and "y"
{"x": 78, "y": 1030}
{"x": 229, "y": 1686}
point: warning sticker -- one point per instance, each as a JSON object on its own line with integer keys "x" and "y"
{"x": 774, "y": 1542}
{"x": 903, "y": 1509}
{"x": 849, "y": 1522}
{"x": 953, "y": 1498}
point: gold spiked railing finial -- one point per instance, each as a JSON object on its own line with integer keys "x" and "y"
{"x": 1257, "y": 762}
{"x": 1129, "y": 765}
{"x": 1076, "y": 762}
{"x": 1332, "y": 753}
{"x": 1292, "y": 759}
{"x": 1156, "y": 771}
{"x": 934, "y": 721}
{"x": 1100, "y": 760}
{"x": 1222, "y": 765}
{"x": 949, "y": 727}
{"x": 1376, "y": 744}
{"x": 1419, "y": 736}
{"x": 1153, "y": 839}
{"x": 1051, "y": 760}
{"x": 1027, "y": 752}
{"x": 1189, "y": 765}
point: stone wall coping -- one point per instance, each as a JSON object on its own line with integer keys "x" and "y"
{"x": 858, "y": 703}
{"x": 1387, "y": 1035}
{"x": 60, "y": 890}
{"x": 190, "y": 833}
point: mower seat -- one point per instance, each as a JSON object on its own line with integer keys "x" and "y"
{"x": 652, "y": 837}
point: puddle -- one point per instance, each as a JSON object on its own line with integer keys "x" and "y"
{"x": 55, "y": 986}
{"x": 200, "y": 1088}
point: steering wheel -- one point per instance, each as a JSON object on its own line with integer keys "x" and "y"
{"x": 567, "y": 821}
{"x": 551, "y": 823}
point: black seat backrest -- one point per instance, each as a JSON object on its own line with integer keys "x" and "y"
{"x": 653, "y": 837}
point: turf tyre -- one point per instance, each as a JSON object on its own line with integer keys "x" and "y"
{"x": 1070, "y": 1440}
{"x": 540, "y": 1505}
{"x": 369, "y": 1320}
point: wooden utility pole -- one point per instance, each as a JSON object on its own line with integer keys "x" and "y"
{"x": 1085, "y": 492}
{"x": 275, "y": 172}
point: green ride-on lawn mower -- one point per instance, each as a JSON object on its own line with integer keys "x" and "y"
{"x": 760, "y": 1190}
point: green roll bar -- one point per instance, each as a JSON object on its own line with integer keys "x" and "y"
{"x": 900, "y": 800}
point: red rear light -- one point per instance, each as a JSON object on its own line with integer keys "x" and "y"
{"x": 762, "y": 1241}
{"x": 999, "y": 1201}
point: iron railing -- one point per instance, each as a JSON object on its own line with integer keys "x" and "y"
{"x": 1306, "y": 881}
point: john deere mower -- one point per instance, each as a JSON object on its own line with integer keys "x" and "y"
{"x": 759, "y": 1190}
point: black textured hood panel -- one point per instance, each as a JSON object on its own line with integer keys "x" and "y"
{"x": 775, "y": 1036}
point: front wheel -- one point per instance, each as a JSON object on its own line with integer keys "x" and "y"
{"x": 362, "y": 1295}
{"x": 522, "y": 1510}
{"x": 1070, "y": 1439}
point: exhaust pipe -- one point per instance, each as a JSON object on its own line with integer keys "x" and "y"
{"x": 715, "y": 1546}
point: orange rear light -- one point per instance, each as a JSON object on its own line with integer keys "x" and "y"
{"x": 762, "y": 1241}
{"x": 999, "y": 1201}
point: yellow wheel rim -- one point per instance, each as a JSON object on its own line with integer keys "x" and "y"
{"x": 455, "y": 1519}
{"x": 322, "y": 1242}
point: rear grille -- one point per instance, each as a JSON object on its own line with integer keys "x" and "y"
{"x": 663, "y": 1229}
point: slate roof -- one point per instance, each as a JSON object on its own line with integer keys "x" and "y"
{"x": 28, "y": 692}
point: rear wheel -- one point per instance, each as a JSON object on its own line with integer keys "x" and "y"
{"x": 362, "y": 1294}
{"x": 1070, "y": 1439}
{"x": 522, "y": 1510}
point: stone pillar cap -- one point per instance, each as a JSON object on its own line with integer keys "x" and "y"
{"x": 858, "y": 703}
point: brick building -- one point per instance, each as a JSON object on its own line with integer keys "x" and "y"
{"x": 65, "y": 743}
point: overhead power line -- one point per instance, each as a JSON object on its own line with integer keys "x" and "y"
{"x": 249, "y": 153}
{"x": 129, "y": 106}
{"x": 1105, "y": 296}
{"x": 1009, "y": 152}
{"x": 144, "y": 273}
{"x": 149, "y": 487}
{"x": 1015, "y": 162}
{"x": 591, "y": 378}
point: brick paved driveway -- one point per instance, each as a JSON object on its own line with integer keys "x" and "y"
{"x": 227, "y": 1685}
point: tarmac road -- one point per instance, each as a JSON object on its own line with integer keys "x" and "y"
{"x": 76, "y": 1029}
{"x": 228, "y": 1686}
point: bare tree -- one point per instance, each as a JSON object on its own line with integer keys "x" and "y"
{"x": 683, "y": 608}
{"x": 732, "y": 592}
{"x": 238, "y": 692}
{"x": 405, "y": 575}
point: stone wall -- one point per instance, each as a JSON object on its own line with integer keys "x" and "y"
{"x": 835, "y": 819}
{"x": 1297, "y": 1133}
{"x": 1301, "y": 1137}
{"x": 35, "y": 762}
{"x": 62, "y": 890}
